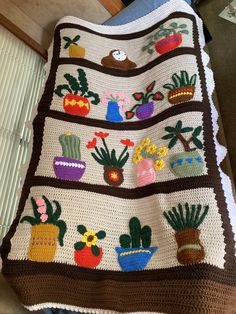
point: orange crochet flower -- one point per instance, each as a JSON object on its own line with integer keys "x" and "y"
{"x": 127, "y": 142}
{"x": 92, "y": 143}
{"x": 101, "y": 134}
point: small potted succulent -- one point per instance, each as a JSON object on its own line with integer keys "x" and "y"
{"x": 115, "y": 102}
{"x": 76, "y": 94}
{"x": 75, "y": 51}
{"x": 69, "y": 166}
{"x": 190, "y": 162}
{"x": 186, "y": 222}
{"x": 87, "y": 253}
{"x": 148, "y": 159}
{"x": 135, "y": 252}
{"x": 166, "y": 38}
{"x": 46, "y": 230}
{"x": 113, "y": 165}
{"x": 145, "y": 106}
{"x": 182, "y": 89}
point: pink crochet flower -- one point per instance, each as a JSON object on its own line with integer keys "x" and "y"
{"x": 40, "y": 201}
{"x": 42, "y": 209}
{"x": 44, "y": 217}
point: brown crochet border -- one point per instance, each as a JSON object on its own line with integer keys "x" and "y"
{"x": 18, "y": 271}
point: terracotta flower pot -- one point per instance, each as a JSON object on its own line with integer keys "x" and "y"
{"x": 43, "y": 243}
{"x": 145, "y": 111}
{"x": 86, "y": 258}
{"x": 131, "y": 259}
{"x": 76, "y": 105}
{"x": 145, "y": 172}
{"x": 75, "y": 51}
{"x": 68, "y": 169}
{"x": 186, "y": 164}
{"x": 182, "y": 94}
{"x": 113, "y": 175}
{"x": 169, "y": 43}
{"x": 190, "y": 249}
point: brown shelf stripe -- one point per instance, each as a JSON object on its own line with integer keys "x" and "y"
{"x": 192, "y": 106}
{"x": 129, "y": 73}
{"x": 135, "y": 193}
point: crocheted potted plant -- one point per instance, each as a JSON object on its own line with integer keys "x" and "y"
{"x": 135, "y": 251}
{"x": 114, "y": 103}
{"x": 46, "y": 230}
{"x": 76, "y": 94}
{"x": 145, "y": 106}
{"x": 69, "y": 166}
{"x": 190, "y": 162}
{"x": 182, "y": 89}
{"x": 87, "y": 253}
{"x": 166, "y": 38}
{"x": 112, "y": 165}
{"x": 75, "y": 51}
{"x": 186, "y": 222}
{"x": 148, "y": 159}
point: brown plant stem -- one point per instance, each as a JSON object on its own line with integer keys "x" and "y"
{"x": 185, "y": 142}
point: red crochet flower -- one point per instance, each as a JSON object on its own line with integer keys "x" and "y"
{"x": 92, "y": 143}
{"x": 127, "y": 142}
{"x": 101, "y": 134}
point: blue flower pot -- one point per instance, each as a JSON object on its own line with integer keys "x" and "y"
{"x": 131, "y": 259}
{"x": 113, "y": 112}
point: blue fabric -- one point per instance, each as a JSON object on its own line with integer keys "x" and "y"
{"x": 135, "y": 10}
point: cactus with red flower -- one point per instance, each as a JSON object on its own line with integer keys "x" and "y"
{"x": 145, "y": 106}
{"x": 113, "y": 164}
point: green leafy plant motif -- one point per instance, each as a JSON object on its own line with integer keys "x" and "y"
{"x": 175, "y": 134}
{"x": 185, "y": 220}
{"x": 135, "y": 249}
{"x": 113, "y": 164}
{"x": 46, "y": 216}
{"x": 46, "y": 229}
{"x": 166, "y": 39}
{"x": 139, "y": 236}
{"x": 182, "y": 87}
{"x": 76, "y": 94}
{"x": 145, "y": 106}
{"x": 190, "y": 162}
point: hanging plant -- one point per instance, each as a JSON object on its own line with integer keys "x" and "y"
{"x": 166, "y": 39}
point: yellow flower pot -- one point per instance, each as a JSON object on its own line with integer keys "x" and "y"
{"x": 43, "y": 243}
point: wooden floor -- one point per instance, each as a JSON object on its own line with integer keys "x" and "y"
{"x": 37, "y": 18}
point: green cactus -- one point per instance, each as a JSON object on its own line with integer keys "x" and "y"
{"x": 137, "y": 235}
{"x": 70, "y": 145}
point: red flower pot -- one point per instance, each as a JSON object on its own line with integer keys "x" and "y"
{"x": 169, "y": 43}
{"x": 86, "y": 258}
{"x": 76, "y": 105}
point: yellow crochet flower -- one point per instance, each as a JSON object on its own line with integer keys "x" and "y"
{"x": 159, "y": 164}
{"x": 162, "y": 152}
{"x": 89, "y": 238}
{"x": 138, "y": 149}
{"x": 137, "y": 158}
{"x": 151, "y": 149}
{"x": 145, "y": 142}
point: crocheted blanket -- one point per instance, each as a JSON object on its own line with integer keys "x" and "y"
{"x": 123, "y": 208}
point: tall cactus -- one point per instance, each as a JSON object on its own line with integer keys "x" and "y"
{"x": 70, "y": 145}
{"x": 137, "y": 235}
